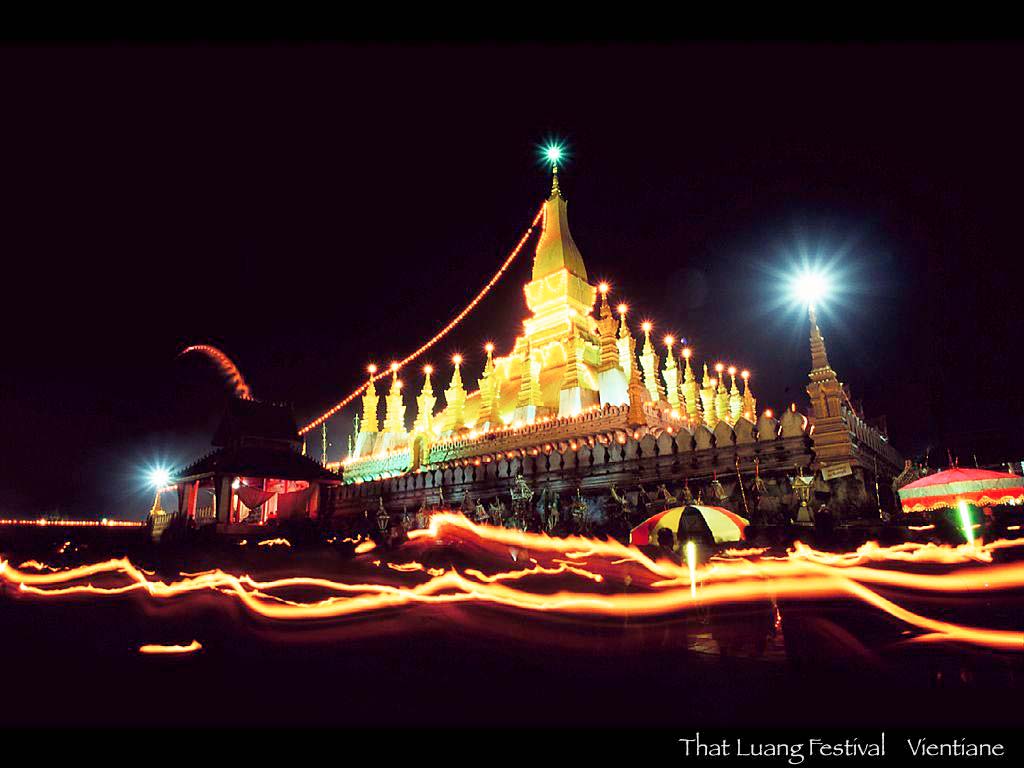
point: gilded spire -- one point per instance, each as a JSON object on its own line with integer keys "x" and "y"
{"x": 455, "y": 397}
{"x": 555, "y": 191}
{"x": 635, "y": 416}
{"x": 691, "y": 397}
{"x": 556, "y": 249}
{"x": 394, "y": 414}
{"x": 819, "y": 356}
{"x": 721, "y": 394}
{"x": 671, "y": 375}
{"x": 649, "y": 363}
{"x": 425, "y": 403}
{"x": 606, "y": 332}
{"x": 626, "y": 344}
{"x": 707, "y": 398}
{"x": 370, "y": 400}
{"x": 489, "y": 363}
{"x": 735, "y": 399}
{"x": 490, "y": 389}
{"x": 749, "y": 401}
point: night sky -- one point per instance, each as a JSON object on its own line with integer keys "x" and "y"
{"x": 310, "y": 208}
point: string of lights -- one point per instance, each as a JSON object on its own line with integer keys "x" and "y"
{"x": 437, "y": 336}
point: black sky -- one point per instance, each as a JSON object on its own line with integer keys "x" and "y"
{"x": 309, "y": 208}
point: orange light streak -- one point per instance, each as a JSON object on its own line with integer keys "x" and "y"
{"x": 43, "y": 522}
{"x": 803, "y": 573}
{"x": 192, "y": 647}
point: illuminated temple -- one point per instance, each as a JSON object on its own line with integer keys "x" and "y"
{"x": 582, "y": 408}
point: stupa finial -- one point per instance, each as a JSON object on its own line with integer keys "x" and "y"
{"x": 553, "y": 153}
{"x": 819, "y": 355}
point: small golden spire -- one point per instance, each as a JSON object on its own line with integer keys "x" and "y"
{"x": 455, "y": 397}
{"x": 394, "y": 413}
{"x": 555, "y": 191}
{"x": 691, "y": 396}
{"x": 649, "y": 363}
{"x": 721, "y": 394}
{"x": 735, "y": 400}
{"x": 671, "y": 374}
{"x": 635, "y": 415}
{"x": 605, "y": 311}
{"x": 490, "y": 389}
{"x": 707, "y": 398}
{"x": 425, "y": 403}
{"x": 623, "y": 329}
{"x": 749, "y": 401}
{"x": 370, "y": 400}
{"x": 819, "y": 356}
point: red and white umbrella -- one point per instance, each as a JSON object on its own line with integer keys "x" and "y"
{"x": 725, "y": 526}
{"x": 980, "y": 487}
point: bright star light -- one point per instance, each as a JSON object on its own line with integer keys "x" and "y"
{"x": 810, "y": 286}
{"x": 159, "y": 477}
{"x": 553, "y": 152}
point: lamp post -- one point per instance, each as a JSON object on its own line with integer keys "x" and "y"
{"x": 803, "y": 485}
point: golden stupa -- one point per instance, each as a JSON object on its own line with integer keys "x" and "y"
{"x": 566, "y": 365}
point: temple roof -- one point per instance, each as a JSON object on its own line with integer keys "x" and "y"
{"x": 258, "y": 461}
{"x": 253, "y": 419}
{"x": 556, "y": 249}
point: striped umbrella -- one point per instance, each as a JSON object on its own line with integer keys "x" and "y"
{"x": 980, "y": 487}
{"x": 725, "y": 526}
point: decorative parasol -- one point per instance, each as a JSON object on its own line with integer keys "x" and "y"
{"x": 725, "y": 526}
{"x": 980, "y": 487}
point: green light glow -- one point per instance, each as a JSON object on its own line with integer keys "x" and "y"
{"x": 554, "y": 152}
{"x": 965, "y": 520}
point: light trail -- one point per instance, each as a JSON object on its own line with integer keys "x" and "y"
{"x": 192, "y": 647}
{"x": 657, "y": 588}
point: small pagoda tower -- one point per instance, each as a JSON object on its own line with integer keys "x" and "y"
{"x": 626, "y": 345}
{"x": 455, "y": 397}
{"x": 394, "y": 413}
{"x": 649, "y": 364}
{"x": 735, "y": 398}
{"x": 425, "y": 403}
{"x": 721, "y": 395}
{"x": 490, "y": 391}
{"x": 691, "y": 395}
{"x": 612, "y": 381}
{"x": 368, "y": 424}
{"x": 707, "y": 399}
{"x": 671, "y": 375}
{"x": 832, "y": 443}
{"x": 749, "y": 401}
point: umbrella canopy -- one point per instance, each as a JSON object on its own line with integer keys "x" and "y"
{"x": 976, "y": 486}
{"x": 724, "y": 525}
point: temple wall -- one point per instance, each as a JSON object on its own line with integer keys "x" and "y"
{"x": 594, "y": 464}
